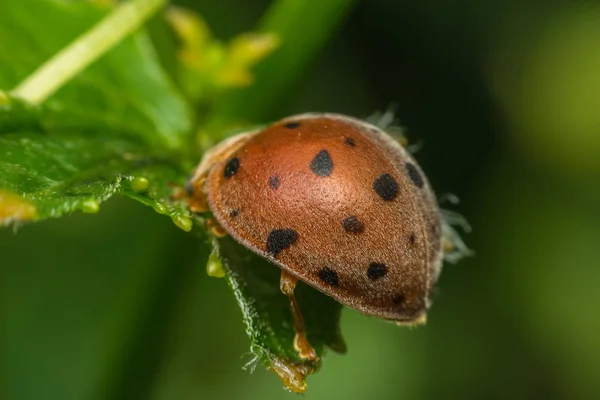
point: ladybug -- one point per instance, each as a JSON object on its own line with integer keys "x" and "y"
{"x": 336, "y": 203}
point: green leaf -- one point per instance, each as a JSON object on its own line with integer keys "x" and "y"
{"x": 267, "y": 314}
{"x": 55, "y": 173}
{"x": 254, "y": 281}
{"x": 124, "y": 91}
{"x": 119, "y": 119}
{"x": 120, "y": 127}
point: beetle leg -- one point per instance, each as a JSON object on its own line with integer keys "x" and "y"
{"x": 179, "y": 193}
{"x": 215, "y": 228}
{"x": 196, "y": 198}
{"x": 301, "y": 344}
{"x": 198, "y": 203}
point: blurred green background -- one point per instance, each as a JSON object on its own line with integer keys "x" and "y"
{"x": 504, "y": 96}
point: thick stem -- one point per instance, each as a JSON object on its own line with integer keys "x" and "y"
{"x": 87, "y": 48}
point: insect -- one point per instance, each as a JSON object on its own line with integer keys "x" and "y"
{"x": 336, "y": 203}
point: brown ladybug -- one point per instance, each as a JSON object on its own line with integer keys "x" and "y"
{"x": 335, "y": 202}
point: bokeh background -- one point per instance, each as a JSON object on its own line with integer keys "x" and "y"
{"x": 505, "y": 98}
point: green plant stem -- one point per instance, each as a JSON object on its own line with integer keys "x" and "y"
{"x": 86, "y": 49}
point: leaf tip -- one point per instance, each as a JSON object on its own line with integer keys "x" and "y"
{"x": 338, "y": 345}
{"x": 160, "y": 208}
{"x": 14, "y": 208}
{"x": 189, "y": 26}
{"x": 183, "y": 222}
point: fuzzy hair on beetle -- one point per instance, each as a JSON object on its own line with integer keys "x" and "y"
{"x": 337, "y": 203}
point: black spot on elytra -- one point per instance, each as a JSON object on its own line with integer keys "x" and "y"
{"x": 412, "y": 238}
{"x": 329, "y": 276}
{"x": 292, "y": 125}
{"x": 376, "y": 271}
{"x": 280, "y": 239}
{"x": 414, "y": 174}
{"x": 274, "y": 182}
{"x": 352, "y": 225}
{"x": 350, "y": 142}
{"x": 386, "y": 187}
{"x": 234, "y": 213}
{"x": 399, "y": 299}
{"x": 231, "y": 167}
{"x": 322, "y": 165}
